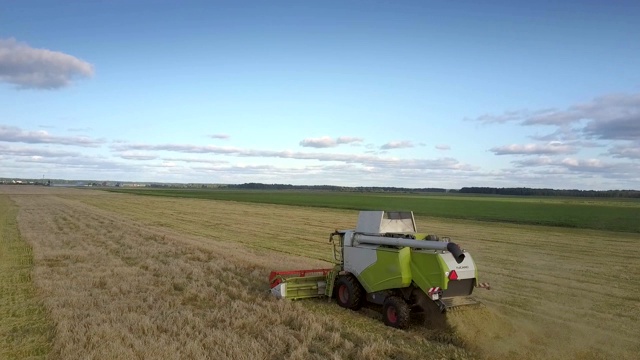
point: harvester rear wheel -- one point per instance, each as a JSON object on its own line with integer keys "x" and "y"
{"x": 396, "y": 312}
{"x": 350, "y": 294}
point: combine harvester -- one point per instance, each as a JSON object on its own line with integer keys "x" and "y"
{"x": 385, "y": 261}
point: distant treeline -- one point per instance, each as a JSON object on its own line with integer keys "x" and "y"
{"x": 550, "y": 192}
{"x": 465, "y": 190}
{"x": 260, "y": 186}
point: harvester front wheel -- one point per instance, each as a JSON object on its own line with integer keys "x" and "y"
{"x": 396, "y": 312}
{"x": 350, "y": 294}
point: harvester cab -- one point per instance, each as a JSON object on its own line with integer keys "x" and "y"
{"x": 385, "y": 261}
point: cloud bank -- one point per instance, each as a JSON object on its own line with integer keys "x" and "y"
{"x": 610, "y": 117}
{"x": 365, "y": 160}
{"x": 599, "y": 151}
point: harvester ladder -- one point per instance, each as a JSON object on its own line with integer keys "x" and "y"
{"x": 338, "y": 249}
{"x": 331, "y": 280}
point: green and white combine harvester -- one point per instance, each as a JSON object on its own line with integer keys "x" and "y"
{"x": 385, "y": 261}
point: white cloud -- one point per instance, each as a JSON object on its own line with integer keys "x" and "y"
{"x": 585, "y": 166}
{"x": 553, "y": 147}
{"x": 631, "y": 150}
{"x": 35, "y": 153}
{"x": 196, "y": 160}
{"x": 14, "y": 134}
{"x": 348, "y": 140}
{"x": 443, "y": 147}
{"x": 168, "y": 164}
{"x": 508, "y": 116}
{"x": 328, "y": 142}
{"x": 85, "y": 129}
{"x": 620, "y": 128}
{"x": 397, "y": 145}
{"x": 83, "y": 162}
{"x": 31, "y": 68}
{"x": 219, "y": 136}
{"x": 137, "y": 156}
{"x": 322, "y": 142}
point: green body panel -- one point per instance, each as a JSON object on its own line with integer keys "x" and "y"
{"x": 397, "y": 268}
{"x": 304, "y": 287}
{"x": 428, "y": 270}
{"x": 391, "y": 270}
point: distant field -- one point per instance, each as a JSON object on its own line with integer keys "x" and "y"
{"x": 589, "y": 213}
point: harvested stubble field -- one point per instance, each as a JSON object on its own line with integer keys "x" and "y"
{"x": 125, "y": 276}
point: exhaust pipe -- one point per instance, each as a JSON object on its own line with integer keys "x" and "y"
{"x": 455, "y": 250}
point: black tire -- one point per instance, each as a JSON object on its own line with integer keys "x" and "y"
{"x": 396, "y": 312}
{"x": 349, "y": 293}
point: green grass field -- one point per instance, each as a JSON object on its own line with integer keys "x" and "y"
{"x": 590, "y": 213}
{"x": 25, "y": 330}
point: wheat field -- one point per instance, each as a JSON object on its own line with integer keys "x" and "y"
{"x": 125, "y": 277}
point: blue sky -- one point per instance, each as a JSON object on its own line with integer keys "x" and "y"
{"x": 354, "y": 93}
